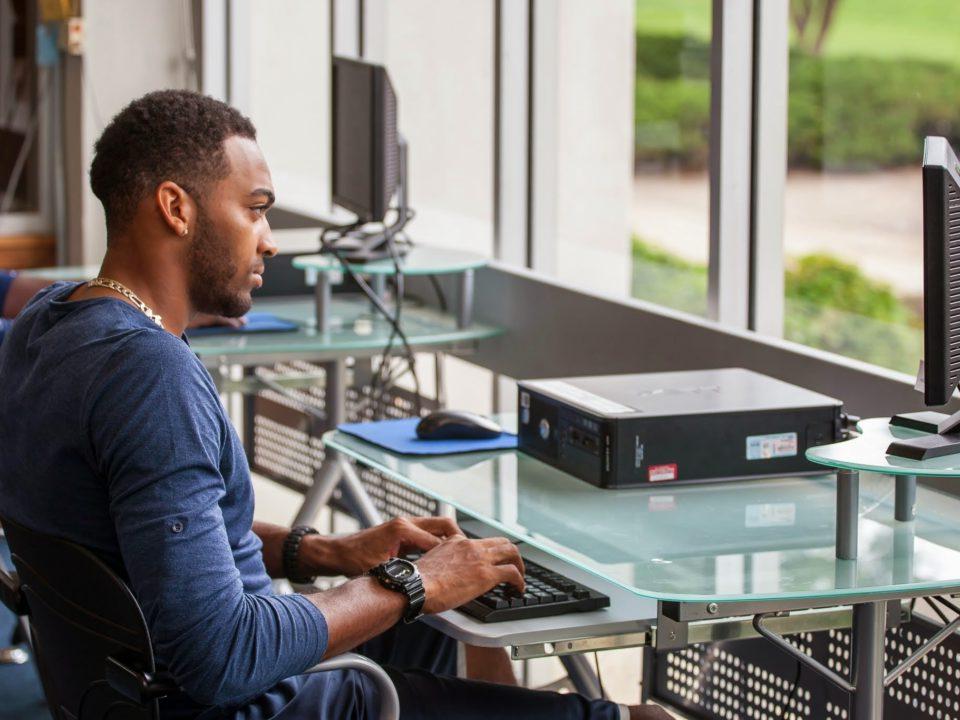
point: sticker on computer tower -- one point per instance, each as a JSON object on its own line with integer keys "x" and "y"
{"x": 768, "y": 447}
{"x": 661, "y": 473}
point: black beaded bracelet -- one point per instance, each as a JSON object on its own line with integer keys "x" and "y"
{"x": 291, "y": 554}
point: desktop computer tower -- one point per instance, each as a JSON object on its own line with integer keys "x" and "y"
{"x": 630, "y": 430}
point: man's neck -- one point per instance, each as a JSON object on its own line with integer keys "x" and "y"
{"x": 164, "y": 293}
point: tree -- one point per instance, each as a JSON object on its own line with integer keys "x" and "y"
{"x": 811, "y": 22}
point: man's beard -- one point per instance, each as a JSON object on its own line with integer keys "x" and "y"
{"x": 212, "y": 272}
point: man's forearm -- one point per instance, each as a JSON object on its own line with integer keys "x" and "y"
{"x": 272, "y": 537}
{"x": 357, "y": 611}
{"x": 316, "y": 552}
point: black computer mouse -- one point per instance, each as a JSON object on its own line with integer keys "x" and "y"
{"x": 457, "y": 425}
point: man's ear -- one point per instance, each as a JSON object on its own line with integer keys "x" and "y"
{"x": 177, "y": 209}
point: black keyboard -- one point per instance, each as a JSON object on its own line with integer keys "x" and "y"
{"x": 548, "y": 593}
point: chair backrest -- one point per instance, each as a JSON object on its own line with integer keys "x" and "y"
{"x": 89, "y": 637}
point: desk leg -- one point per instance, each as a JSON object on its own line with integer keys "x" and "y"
{"x": 325, "y": 481}
{"x": 329, "y": 474}
{"x": 906, "y": 505}
{"x": 369, "y": 515}
{"x": 324, "y": 294}
{"x": 465, "y": 299}
{"x": 582, "y": 676}
{"x": 848, "y": 507}
{"x": 869, "y": 628}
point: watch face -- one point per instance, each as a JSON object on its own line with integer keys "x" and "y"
{"x": 401, "y": 570}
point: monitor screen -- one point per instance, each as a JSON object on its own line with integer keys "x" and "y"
{"x": 365, "y": 140}
{"x": 941, "y": 271}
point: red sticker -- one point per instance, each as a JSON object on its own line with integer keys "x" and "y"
{"x": 659, "y": 473}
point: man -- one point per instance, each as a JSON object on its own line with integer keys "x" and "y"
{"x": 114, "y": 437}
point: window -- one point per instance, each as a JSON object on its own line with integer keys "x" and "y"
{"x": 440, "y": 58}
{"x": 670, "y": 213}
{"x": 19, "y": 109}
{"x": 868, "y": 80}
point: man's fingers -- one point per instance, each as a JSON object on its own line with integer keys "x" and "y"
{"x": 502, "y": 551}
{"x": 510, "y": 574}
{"x": 414, "y": 537}
{"x": 439, "y": 526}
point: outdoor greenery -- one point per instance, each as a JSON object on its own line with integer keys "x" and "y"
{"x": 830, "y": 305}
{"x": 853, "y": 105}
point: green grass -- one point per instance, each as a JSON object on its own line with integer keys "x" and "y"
{"x": 674, "y": 17}
{"x": 920, "y": 29}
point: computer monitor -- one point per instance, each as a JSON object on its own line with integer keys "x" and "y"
{"x": 366, "y": 145}
{"x": 940, "y": 370}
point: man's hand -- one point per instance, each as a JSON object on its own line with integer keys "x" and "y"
{"x": 355, "y": 554}
{"x": 457, "y": 570}
{"x": 205, "y": 320}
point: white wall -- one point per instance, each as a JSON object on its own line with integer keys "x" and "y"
{"x": 288, "y": 97}
{"x": 583, "y": 142}
{"x": 440, "y": 59}
{"x": 132, "y": 48}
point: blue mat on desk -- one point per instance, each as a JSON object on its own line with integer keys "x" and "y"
{"x": 257, "y": 322}
{"x": 400, "y": 436}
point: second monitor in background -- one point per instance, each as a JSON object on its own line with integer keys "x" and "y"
{"x": 369, "y": 158}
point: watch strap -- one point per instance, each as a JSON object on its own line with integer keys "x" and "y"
{"x": 291, "y": 555}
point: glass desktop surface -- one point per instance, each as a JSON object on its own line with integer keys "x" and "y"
{"x": 766, "y": 539}
{"x": 354, "y": 326}
{"x": 869, "y": 453}
{"x": 420, "y": 260}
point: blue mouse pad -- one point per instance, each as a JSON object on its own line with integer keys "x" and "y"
{"x": 257, "y": 322}
{"x": 400, "y": 436}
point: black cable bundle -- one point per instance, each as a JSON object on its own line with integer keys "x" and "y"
{"x": 383, "y": 378}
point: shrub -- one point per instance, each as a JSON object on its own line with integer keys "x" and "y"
{"x": 830, "y": 305}
{"x": 844, "y": 113}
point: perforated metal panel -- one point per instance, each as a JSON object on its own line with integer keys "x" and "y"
{"x": 283, "y": 442}
{"x": 754, "y": 680}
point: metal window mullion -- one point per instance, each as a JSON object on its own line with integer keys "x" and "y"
{"x": 770, "y": 164}
{"x": 731, "y": 120}
{"x": 346, "y": 16}
{"x": 511, "y": 135}
{"x": 213, "y": 48}
{"x": 544, "y": 136}
{"x": 238, "y": 54}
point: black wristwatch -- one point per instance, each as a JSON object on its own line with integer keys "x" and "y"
{"x": 291, "y": 555}
{"x": 402, "y": 576}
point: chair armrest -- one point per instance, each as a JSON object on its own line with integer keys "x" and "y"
{"x": 137, "y": 685}
{"x": 389, "y": 702}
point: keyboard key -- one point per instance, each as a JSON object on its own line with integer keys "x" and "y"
{"x": 492, "y": 601}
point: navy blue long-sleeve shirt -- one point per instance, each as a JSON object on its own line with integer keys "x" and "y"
{"x": 114, "y": 437}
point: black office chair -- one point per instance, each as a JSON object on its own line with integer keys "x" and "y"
{"x": 90, "y": 640}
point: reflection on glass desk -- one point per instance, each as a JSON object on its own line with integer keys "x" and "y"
{"x": 355, "y": 328}
{"x": 419, "y": 260}
{"x": 749, "y": 540}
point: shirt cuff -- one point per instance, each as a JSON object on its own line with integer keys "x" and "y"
{"x": 624, "y": 712}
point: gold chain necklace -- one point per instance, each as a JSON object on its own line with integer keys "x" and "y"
{"x": 127, "y": 293}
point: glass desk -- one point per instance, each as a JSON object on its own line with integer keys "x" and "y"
{"x": 868, "y": 453}
{"x": 354, "y": 330}
{"x": 419, "y": 260}
{"x": 709, "y": 552}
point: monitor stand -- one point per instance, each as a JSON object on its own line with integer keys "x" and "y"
{"x": 363, "y": 246}
{"x": 943, "y": 438}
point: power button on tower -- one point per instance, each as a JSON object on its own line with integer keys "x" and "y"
{"x": 545, "y": 429}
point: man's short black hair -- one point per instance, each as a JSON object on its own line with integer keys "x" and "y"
{"x": 173, "y": 135}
